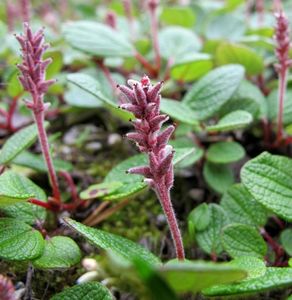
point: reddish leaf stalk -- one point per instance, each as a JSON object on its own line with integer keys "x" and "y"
{"x": 282, "y": 52}
{"x": 152, "y": 5}
{"x": 143, "y": 100}
{"x": 32, "y": 78}
{"x": 150, "y": 69}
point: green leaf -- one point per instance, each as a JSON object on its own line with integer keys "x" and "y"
{"x": 100, "y": 190}
{"x": 19, "y": 241}
{"x": 92, "y": 86}
{"x": 176, "y": 41}
{"x": 209, "y": 239}
{"x": 59, "y": 252}
{"x": 178, "y": 111}
{"x": 191, "y": 276}
{"x": 15, "y": 188}
{"x": 228, "y": 53}
{"x": 225, "y": 152}
{"x": 218, "y": 176}
{"x": 191, "y": 66}
{"x": 241, "y": 207}
{"x": 274, "y": 278}
{"x": 85, "y": 291}
{"x": 243, "y": 240}
{"x": 97, "y": 39}
{"x": 36, "y": 162}
{"x": 247, "y": 97}
{"x": 227, "y": 26}
{"x": 132, "y": 184}
{"x": 235, "y": 120}
{"x": 14, "y": 87}
{"x": 118, "y": 245}
{"x": 208, "y": 94}
{"x": 268, "y": 178}
{"x": 178, "y": 15}
{"x": 286, "y": 240}
{"x": 19, "y": 141}
{"x": 254, "y": 266}
{"x": 24, "y": 211}
{"x": 199, "y": 218}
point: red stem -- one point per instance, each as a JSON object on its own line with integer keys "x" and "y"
{"x": 39, "y": 119}
{"x": 128, "y": 12}
{"x": 40, "y": 203}
{"x": 151, "y": 70}
{"x": 164, "y": 197}
{"x": 154, "y": 33}
{"x": 107, "y": 74}
{"x": 281, "y": 97}
{"x": 71, "y": 185}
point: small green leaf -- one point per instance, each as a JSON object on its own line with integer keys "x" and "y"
{"x": 15, "y": 188}
{"x": 176, "y": 41}
{"x": 241, "y": 207}
{"x": 191, "y": 276}
{"x": 178, "y": 111}
{"x": 24, "y": 211}
{"x": 243, "y": 240}
{"x": 97, "y": 39}
{"x": 209, "y": 239}
{"x": 92, "y": 86}
{"x": 286, "y": 240}
{"x": 225, "y": 152}
{"x": 254, "y": 266}
{"x": 100, "y": 190}
{"x": 19, "y": 241}
{"x": 85, "y": 291}
{"x": 235, "y": 120}
{"x": 191, "y": 66}
{"x": 199, "y": 218}
{"x": 274, "y": 278}
{"x": 19, "y": 141}
{"x": 268, "y": 178}
{"x": 116, "y": 244}
{"x": 228, "y": 53}
{"x": 59, "y": 252}
{"x": 208, "y": 94}
{"x": 132, "y": 184}
{"x": 36, "y": 162}
{"x": 178, "y": 15}
{"x": 218, "y": 176}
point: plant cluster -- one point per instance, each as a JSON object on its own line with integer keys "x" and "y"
{"x": 213, "y": 110}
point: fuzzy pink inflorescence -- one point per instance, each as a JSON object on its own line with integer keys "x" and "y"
{"x": 282, "y": 37}
{"x": 143, "y": 100}
{"x": 33, "y": 67}
{"x": 144, "y": 103}
{"x": 6, "y": 289}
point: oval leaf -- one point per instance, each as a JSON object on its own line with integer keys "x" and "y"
{"x": 59, "y": 252}
{"x": 97, "y": 39}
{"x": 19, "y": 241}
{"x": 268, "y": 178}
{"x": 225, "y": 152}
{"x": 235, "y": 120}
{"x": 208, "y": 94}
{"x": 254, "y": 266}
{"x": 116, "y": 244}
{"x": 243, "y": 240}
{"x": 85, "y": 291}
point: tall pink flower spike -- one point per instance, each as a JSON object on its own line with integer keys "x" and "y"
{"x": 143, "y": 100}
{"x": 33, "y": 80}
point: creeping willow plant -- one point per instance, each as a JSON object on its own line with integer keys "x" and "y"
{"x": 144, "y": 103}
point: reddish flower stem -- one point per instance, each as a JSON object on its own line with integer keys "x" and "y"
{"x": 40, "y": 203}
{"x": 39, "y": 117}
{"x": 107, "y": 74}
{"x": 281, "y": 96}
{"x": 72, "y": 186}
{"x": 153, "y": 4}
{"x": 11, "y": 112}
{"x": 150, "y": 69}
{"x": 25, "y": 10}
{"x": 164, "y": 197}
{"x": 128, "y": 12}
